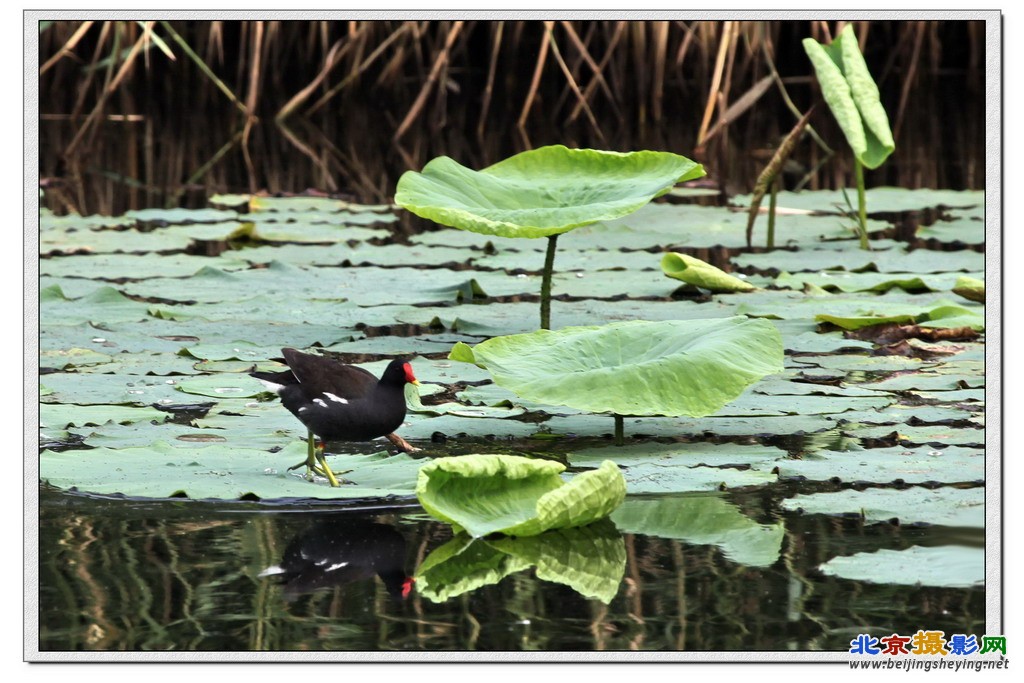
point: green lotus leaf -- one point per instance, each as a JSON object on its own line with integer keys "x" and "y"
{"x": 517, "y": 496}
{"x": 671, "y": 368}
{"x": 853, "y": 97}
{"x": 541, "y": 192}
{"x": 591, "y": 560}
{"x": 949, "y": 316}
{"x": 698, "y": 273}
{"x": 970, "y": 288}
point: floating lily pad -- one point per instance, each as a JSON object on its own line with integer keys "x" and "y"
{"x": 94, "y": 388}
{"x": 868, "y": 282}
{"x": 161, "y": 471}
{"x": 886, "y": 465}
{"x": 103, "y": 306}
{"x": 72, "y": 358}
{"x": 947, "y": 506}
{"x": 879, "y": 199}
{"x": 63, "y": 415}
{"x": 946, "y": 566}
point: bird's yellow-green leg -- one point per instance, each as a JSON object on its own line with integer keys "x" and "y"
{"x": 310, "y": 461}
{"x": 325, "y": 468}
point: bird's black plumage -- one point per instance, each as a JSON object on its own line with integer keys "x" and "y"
{"x": 341, "y": 402}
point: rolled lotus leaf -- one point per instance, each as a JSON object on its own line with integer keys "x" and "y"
{"x": 695, "y": 272}
{"x": 970, "y": 288}
{"x": 851, "y": 94}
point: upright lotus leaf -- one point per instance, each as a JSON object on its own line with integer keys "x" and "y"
{"x": 541, "y": 192}
{"x": 488, "y": 493}
{"x": 671, "y": 367}
{"x": 853, "y": 97}
{"x": 695, "y": 272}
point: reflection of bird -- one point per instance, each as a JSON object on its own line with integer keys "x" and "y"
{"x": 340, "y": 402}
{"x": 334, "y": 552}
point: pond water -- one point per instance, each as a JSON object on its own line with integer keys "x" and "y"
{"x": 118, "y": 575}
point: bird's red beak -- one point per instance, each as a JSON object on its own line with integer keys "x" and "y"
{"x": 409, "y": 377}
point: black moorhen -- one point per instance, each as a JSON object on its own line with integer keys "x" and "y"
{"x": 340, "y": 402}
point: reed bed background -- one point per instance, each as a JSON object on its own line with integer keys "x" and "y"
{"x": 158, "y": 113}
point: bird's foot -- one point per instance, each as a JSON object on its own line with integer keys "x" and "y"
{"x": 401, "y": 443}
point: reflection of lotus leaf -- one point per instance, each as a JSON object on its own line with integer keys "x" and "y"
{"x": 949, "y": 566}
{"x": 704, "y": 520}
{"x": 541, "y": 192}
{"x": 591, "y": 560}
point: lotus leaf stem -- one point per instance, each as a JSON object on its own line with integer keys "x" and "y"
{"x": 619, "y": 440}
{"x": 862, "y": 205}
{"x": 771, "y": 213}
{"x": 545, "y": 284}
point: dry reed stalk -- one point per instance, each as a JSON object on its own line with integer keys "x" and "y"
{"x": 684, "y": 47}
{"x": 542, "y": 56}
{"x": 584, "y": 54}
{"x": 251, "y": 101}
{"x": 97, "y": 109}
{"x": 908, "y": 80}
{"x": 67, "y": 48}
{"x": 741, "y": 105}
{"x": 620, "y": 29}
{"x": 660, "y": 29}
{"x": 332, "y": 59}
{"x": 439, "y": 62}
{"x": 549, "y": 29}
{"x": 362, "y": 66}
{"x": 491, "y": 71}
{"x": 716, "y": 82}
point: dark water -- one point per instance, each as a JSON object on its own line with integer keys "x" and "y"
{"x": 118, "y": 575}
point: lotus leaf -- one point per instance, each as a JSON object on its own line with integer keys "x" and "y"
{"x": 541, "y": 192}
{"x": 517, "y": 496}
{"x": 948, "y": 506}
{"x": 693, "y": 271}
{"x": 970, "y": 288}
{"x": 680, "y": 367}
{"x": 852, "y": 96}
